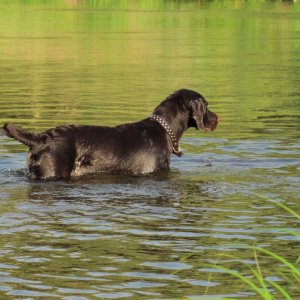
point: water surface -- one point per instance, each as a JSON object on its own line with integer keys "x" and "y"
{"x": 158, "y": 236}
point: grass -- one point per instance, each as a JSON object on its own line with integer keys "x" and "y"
{"x": 259, "y": 283}
{"x": 262, "y": 286}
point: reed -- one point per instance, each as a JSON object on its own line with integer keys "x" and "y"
{"x": 260, "y": 283}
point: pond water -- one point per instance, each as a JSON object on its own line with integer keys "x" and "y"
{"x": 160, "y": 236}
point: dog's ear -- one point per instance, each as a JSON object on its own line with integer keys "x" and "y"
{"x": 198, "y": 110}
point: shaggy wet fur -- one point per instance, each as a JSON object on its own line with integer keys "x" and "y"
{"x": 135, "y": 148}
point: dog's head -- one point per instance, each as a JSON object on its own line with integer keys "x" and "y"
{"x": 200, "y": 117}
{"x": 190, "y": 108}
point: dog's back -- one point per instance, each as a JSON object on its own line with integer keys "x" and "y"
{"x": 76, "y": 150}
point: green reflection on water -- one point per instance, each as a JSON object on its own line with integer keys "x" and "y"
{"x": 105, "y": 62}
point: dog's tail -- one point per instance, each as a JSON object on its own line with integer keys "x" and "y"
{"x": 27, "y": 138}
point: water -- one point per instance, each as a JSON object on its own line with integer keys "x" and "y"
{"x": 157, "y": 236}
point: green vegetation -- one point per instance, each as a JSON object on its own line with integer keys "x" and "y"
{"x": 287, "y": 273}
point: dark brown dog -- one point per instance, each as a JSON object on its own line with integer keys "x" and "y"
{"x": 136, "y": 148}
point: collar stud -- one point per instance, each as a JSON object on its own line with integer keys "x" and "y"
{"x": 176, "y": 148}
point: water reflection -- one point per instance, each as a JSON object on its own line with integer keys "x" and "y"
{"x": 156, "y": 236}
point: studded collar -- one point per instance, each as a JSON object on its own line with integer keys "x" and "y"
{"x": 176, "y": 148}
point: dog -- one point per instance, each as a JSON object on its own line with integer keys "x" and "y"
{"x": 136, "y": 148}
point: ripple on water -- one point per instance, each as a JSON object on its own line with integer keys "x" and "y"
{"x": 118, "y": 237}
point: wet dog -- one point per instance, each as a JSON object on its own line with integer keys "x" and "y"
{"x": 135, "y": 148}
